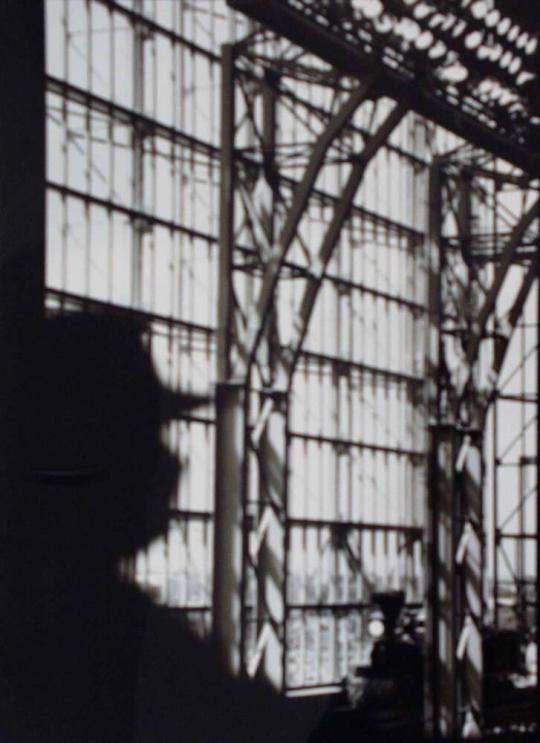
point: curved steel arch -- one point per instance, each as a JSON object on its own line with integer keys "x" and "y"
{"x": 239, "y": 540}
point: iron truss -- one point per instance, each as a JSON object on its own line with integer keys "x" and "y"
{"x": 466, "y": 65}
{"x": 470, "y": 337}
{"x": 446, "y": 66}
{"x": 260, "y": 342}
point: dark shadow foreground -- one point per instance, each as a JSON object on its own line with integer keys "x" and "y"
{"x": 85, "y": 656}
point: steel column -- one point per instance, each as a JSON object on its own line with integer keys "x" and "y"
{"x": 432, "y": 548}
{"x": 226, "y": 212}
{"x": 270, "y": 444}
{"x": 459, "y": 404}
{"x": 230, "y": 473}
{"x": 139, "y": 226}
{"x": 455, "y": 521}
{"x": 230, "y": 465}
{"x": 537, "y": 540}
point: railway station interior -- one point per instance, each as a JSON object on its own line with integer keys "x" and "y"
{"x": 269, "y": 314}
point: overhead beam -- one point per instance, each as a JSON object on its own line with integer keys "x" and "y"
{"x": 350, "y": 60}
{"x": 226, "y": 212}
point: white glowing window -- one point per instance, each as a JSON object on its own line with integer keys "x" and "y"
{"x": 455, "y": 73}
{"x": 421, "y": 10}
{"x": 515, "y": 66}
{"x": 479, "y": 9}
{"x": 521, "y": 43}
{"x": 424, "y": 41}
{"x": 410, "y": 30}
{"x": 506, "y": 59}
{"x": 474, "y": 39}
{"x": 504, "y": 26}
{"x": 513, "y": 33}
{"x": 383, "y": 24}
{"x": 438, "y": 50}
{"x": 492, "y": 18}
{"x": 372, "y": 8}
{"x": 496, "y": 52}
{"x": 531, "y": 46}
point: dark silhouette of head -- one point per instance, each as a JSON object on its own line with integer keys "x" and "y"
{"x": 97, "y": 479}
{"x": 87, "y": 657}
{"x": 90, "y": 484}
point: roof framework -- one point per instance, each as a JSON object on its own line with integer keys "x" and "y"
{"x": 483, "y": 273}
{"x": 385, "y": 47}
{"x": 469, "y": 69}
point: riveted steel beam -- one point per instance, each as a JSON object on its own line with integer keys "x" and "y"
{"x": 350, "y": 59}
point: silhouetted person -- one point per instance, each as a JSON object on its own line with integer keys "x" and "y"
{"x": 87, "y": 657}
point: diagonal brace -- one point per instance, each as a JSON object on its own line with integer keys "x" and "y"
{"x": 507, "y": 257}
{"x": 341, "y": 213}
{"x": 300, "y": 200}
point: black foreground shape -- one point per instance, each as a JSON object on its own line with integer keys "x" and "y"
{"x": 87, "y": 657}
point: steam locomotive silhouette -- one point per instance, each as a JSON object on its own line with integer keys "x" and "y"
{"x": 383, "y": 702}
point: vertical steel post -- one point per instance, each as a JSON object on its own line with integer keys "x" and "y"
{"x": 443, "y": 668}
{"x": 495, "y": 515}
{"x": 456, "y": 547}
{"x": 494, "y": 545}
{"x": 228, "y": 582}
{"x": 469, "y": 524}
{"x": 272, "y": 446}
{"x": 231, "y": 402}
{"x": 433, "y": 346}
{"x": 470, "y": 573}
{"x": 272, "y": 558}
{"x": 537, "y": 597}
{"x": 455, "y": 514}
{"x": 138, "y": 135}
{"x": 226, "y": 211}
